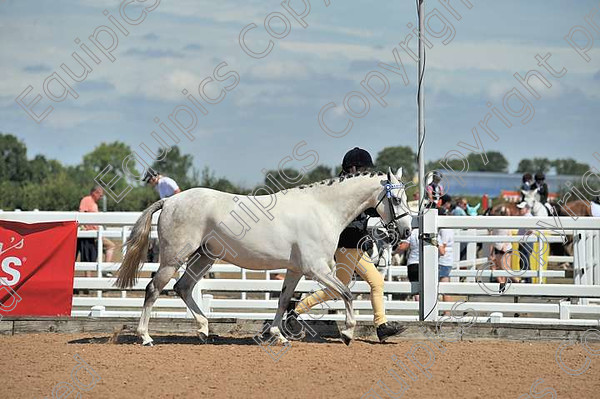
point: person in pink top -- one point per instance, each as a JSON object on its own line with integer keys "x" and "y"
{"x": 87, "y": 246}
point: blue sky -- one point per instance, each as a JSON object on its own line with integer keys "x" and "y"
{"x": 277, "y": 101}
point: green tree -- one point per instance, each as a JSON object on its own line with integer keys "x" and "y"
{"x": 13, "y": 159}
{"x": 111, "y": 156}
{"x": 41, "y": 169}
{"x": 225, "y": 185}
{"x": 292, "y": 174}
{"x": 534, "y": 165}
{"x": 107, "y": 154}
{"x": 395, "y": 157}
{"x": 209, "y": 180}
{"x": 496, "y": 163}
{"x": 320, "y": 172}
{"x": 179, "y": 167}
{"x": 569, "y": 166}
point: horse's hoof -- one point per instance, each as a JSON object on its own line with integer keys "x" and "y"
{"x": 346, "y": 339}
{"x": 203, "y": 337}
{"x": 149, "y": 343}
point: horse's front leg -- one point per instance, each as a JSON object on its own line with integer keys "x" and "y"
{"x": 289, "y": 287}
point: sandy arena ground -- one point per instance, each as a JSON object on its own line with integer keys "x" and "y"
{"x": 236, "y": 367}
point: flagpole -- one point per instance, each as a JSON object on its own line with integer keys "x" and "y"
{"x": 420, "y": 109}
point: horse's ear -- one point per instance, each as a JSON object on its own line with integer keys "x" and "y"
{"x": 399, "y": 173}
{"x": 478, "y": 206}
{"x": 389, "y": 174}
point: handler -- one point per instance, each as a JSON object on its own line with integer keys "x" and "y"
{"x": 352, "y": 258}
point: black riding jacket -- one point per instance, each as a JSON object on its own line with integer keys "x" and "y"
{"x": 542, "y": 191}
{"x": 356, "y": 230}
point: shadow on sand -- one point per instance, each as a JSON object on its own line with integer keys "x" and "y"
{"x": 130, "y": 339}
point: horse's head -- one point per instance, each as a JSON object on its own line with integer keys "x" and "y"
{"x": 530, "y": 196}
{"x": 472, "y": 210}
{"x": 392, "y": 205}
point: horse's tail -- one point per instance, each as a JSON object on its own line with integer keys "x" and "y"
{"x": 137, "y": 247}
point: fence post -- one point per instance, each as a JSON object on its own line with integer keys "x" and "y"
{"x": 576, "y": 258}
{"x": 540, "y": 258}
{"x": 244, "y": 278}
{"x": 206, "y": 304}
{"x": 428, "y": 266}
{"x": 471, "y": 255}
{"x": 388, "y": 271}
{"x": 456, "y": 254}
{"x": 596, "y": 266}
{"x": 588, "y": 275}
{"x": 124, "y": 251}
{"x": 579, "y": 261}
{"x": 564, "y": 313}
{"x": 100, "y": 257}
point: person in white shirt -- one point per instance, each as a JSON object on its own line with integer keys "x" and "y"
{"x": 446, "y": 260}
{"x": 412, "y": 245}
{"x": 165, "y": 186}
{"x": 595, "y": 206}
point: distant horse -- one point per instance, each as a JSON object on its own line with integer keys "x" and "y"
{"x": 532, "y": 198}
{"x": 577, "y": 208}
{"x": 504, "y": 208}
{"x": 556, "y": 248}
{"x": 299, "y": 232}
{"x": 472, "y": 210}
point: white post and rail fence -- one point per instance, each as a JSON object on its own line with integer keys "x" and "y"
{"x": 235, "y": 293}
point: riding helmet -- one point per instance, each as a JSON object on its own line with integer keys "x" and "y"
{"x": 526, "y": 177}
{"x": 150, "y": 173}
{"x": 539, "y": 176}
{"x": 357, "y": 157}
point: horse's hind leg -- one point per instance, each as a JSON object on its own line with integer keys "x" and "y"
{"x": 153, "y": 289}
{"x": 289, "y": 287}
{"x": 185, "y": 287}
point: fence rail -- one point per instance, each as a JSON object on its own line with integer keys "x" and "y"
{"x": 231, "y": 297}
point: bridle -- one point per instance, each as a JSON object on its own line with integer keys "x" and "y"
{"x": 389, "y": 195}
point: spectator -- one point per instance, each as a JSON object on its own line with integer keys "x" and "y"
{"x": 525, "y": 248}
{"x": 446, "y": 205}
{"x": 412, "y": 245}
{"x": 446, "y": 259}
{"x": 527, "y": 180}
{"x": 86, "y": 246}
{"x": 165, "y": 186}
{"x": 595, "y": 206}
{"x": 499, "y": 249}
{"x": 541, "y": 186}
{"x": 435, "y": 190}
{"x": 461, "y": 208}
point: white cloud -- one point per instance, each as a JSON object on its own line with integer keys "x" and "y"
{"x": 279, "y": 70}
{"x": 62, "y": 118}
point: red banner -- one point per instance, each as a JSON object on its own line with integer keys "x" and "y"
{"x": 37, "y": 263}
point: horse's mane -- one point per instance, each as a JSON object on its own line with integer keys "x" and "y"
{"x": 340, "y": 179}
